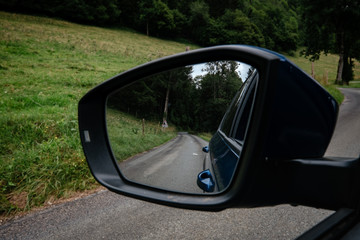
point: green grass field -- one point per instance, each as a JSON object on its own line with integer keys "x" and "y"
{"x": 326, "y": 65}
{"x": 325, "y": 72}
{"x": 46, "y": 66}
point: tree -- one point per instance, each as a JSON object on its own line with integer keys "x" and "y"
{"x": 218, "y": 8}
{"x": 331, "y": 26}
{"x": 198, "y": 21}
{"x": 157, "y": 17}
{"x": 272, "y": 23}
{"x": 94, "y": 12}
{"x": 217, "y": 88}
{"x": 237, "y": 28}
{"x": 276, "y": 20}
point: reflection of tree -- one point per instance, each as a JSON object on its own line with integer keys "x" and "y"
{"x": 218, "y": 86}
{"x": 166, "y": 105}
{"x": 250, "y": 71}
{"x": 190, "y": 104}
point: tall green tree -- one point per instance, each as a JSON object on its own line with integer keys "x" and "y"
{"x": 277, "y": 21}
{"x": 199, "y": 19}
{"x": 234, "y": 27}
{"x": 268, "y": 23}
{"x": 217, "y": 88}
{"x": 156, "y": 16}
{"x": 92, "y": 11}
{"x": 218, "y": 8}
{"x": 331, "y": 26}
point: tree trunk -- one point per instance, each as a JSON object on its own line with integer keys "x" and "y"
{"x": 143, "y": 127}
{"x": 167, "y": 98}
{"x": 214, "y": 89}
{"x": 166, "y": 103}
{"x": 147, "y": 28}
{"x": 341, "y": 59}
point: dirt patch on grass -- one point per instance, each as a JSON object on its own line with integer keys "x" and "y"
{"x": 19, "y": 200}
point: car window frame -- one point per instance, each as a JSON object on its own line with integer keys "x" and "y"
{"x": 246, "y": 91}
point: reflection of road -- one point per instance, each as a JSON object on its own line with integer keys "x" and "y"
{"x": 174, "y": 165}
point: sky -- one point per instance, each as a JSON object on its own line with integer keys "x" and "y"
{"x": 243, "y": 69}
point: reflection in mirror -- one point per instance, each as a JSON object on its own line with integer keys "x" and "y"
{"x": 159, "y": 125}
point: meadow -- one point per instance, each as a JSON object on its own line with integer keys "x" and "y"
{"x": 129, "y": 136}
{"x": 46, "y": 66}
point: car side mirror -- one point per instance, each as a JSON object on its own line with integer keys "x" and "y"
{"x": 143, "y": 131}
{"x": 155, "y": 124}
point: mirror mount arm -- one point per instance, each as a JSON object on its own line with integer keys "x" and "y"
{"x": 329, "y": 183}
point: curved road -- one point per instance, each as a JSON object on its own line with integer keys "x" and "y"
{"x": 106, "y": 215}
{"x": 174, "y": 165}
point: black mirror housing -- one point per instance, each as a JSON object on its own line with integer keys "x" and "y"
{"x": 302, "y": 118}
{"x": 292, "y": 117}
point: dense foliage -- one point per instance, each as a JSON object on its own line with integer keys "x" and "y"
{"x": 189, "y": 102}
{"x": 279, "y": 25}
{"x": 203, "y": 22}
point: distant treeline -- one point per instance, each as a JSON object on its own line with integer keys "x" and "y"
{"x": 191, "y": 103}
{"x": 271, "y": 24}
{"x": 281, "y": 25}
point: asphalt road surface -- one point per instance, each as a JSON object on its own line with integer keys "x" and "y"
{"x": 174, "y": 165}
{"x": 105, "y": 215}
{"x": 346, "y": 139}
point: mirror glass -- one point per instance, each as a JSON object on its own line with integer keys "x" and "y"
{"x": 159, "y": 127}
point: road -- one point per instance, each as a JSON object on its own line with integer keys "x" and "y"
{"x": 345, "y": 139}
{"x": 172, "y": 166}
{"x": 106, "y": 215}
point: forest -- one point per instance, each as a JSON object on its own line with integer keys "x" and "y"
{"x": 281, "y": 25}
{"x": 194, "y": 96}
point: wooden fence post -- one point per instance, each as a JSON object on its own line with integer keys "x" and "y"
{"x": 143, "y": 127}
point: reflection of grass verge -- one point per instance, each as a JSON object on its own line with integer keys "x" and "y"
{"x": 129, "y": 136}
{"x": 205, "y": 136}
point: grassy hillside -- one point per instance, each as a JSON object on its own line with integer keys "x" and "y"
{"x": 46, "y": 66}
{"x": 326, "y": 65}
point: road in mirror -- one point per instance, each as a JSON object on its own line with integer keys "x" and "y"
{"x": 159, "y": 125}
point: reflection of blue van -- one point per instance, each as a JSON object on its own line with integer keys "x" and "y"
{"x": 226, "y": 144}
